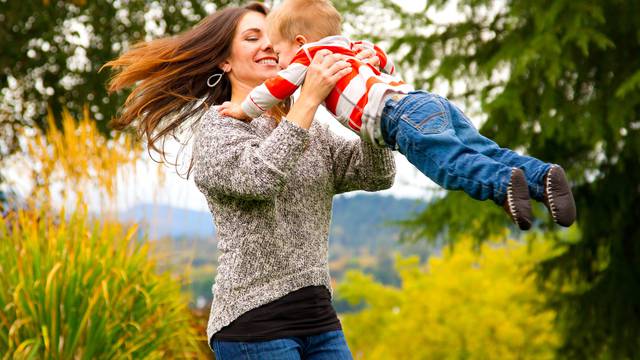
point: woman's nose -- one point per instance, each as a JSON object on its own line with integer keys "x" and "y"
{"x": 267, "y": 46}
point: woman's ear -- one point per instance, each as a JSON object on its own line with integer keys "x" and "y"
{"x": 300, "y": 40}
{"x": 225, "y": 66}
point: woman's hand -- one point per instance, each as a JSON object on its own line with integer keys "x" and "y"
{"x": 323, "y": 73}
{"x": 325, "y": 70}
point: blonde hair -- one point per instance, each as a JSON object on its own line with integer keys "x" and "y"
{"x": 314, "y": 19}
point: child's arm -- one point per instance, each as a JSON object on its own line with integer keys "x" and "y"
{"x": 386, "y": 64}
{"x": 274, "y": 90}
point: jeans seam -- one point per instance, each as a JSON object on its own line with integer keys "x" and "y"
{"x": 422, "y": 131}
{"x": 504, "y": 183}
{"x": 430, "y": 117}
{"x": 448, "y": 170}
{"x": 412, "y": 108}
{"x": 443, "y": 112}
{"x": 245, "y": 350}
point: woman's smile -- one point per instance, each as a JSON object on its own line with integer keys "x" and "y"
{"x": 268, "y": 60}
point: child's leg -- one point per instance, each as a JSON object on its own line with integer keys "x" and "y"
{"x": 533, "y": 168}
{"x": 420, "y": 127}
{"x": 546, "y": 182}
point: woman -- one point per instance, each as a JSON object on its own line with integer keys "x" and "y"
{"x": 269, "y": 183}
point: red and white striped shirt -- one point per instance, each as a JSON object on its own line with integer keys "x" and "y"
{"x": 356, "y": 100}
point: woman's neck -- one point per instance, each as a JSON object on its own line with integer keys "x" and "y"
{"x": 240, "y": 90}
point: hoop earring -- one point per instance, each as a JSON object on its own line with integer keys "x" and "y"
{"x": 219, "y": 77}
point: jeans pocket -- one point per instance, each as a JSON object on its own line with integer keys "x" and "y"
{"x": 427, "y": 115}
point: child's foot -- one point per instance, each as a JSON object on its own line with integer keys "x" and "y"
{"x": 518, "y": 203}
{"x": 558, "y": 197}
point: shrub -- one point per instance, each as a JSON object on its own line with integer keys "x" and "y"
{"x": 71, "y": 287}
{"x": 462, "y": 305}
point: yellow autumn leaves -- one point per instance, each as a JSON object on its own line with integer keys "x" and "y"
{"x": 76, "y": 157}
{"x": 75, "y": 285}
{"x": 461, "y": 305}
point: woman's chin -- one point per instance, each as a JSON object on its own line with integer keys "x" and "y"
{"x": 269, "y": 71}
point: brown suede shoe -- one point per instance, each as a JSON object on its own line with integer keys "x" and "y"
{"x": 518, "y": 203}
{"x": 558, "y": 197}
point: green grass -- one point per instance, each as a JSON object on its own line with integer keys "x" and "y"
{"x": 84, "y": 289}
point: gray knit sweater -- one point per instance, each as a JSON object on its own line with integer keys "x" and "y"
{"x": 270, "y": 187}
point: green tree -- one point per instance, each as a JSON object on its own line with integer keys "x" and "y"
{"x": 52, "y": 51}
{"x": 462, "y": 305}
{"x": 559, "y": 80}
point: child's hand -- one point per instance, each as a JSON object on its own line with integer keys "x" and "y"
{"x": 367, "y": 55}
{"x": 233, "y": 110}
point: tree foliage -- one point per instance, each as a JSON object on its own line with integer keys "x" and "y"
{"x": 53, "y": 49}
{"x": 558, "y": 80}
{"x": 462, "y": 305}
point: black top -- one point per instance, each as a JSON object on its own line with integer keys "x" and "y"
{"x": 306, "y": 311}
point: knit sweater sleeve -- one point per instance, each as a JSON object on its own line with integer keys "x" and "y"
{"x": 230, "y": 159}
{"x": 359, "y": 165}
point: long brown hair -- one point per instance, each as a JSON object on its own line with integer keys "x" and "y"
{"x": 170, "y": 76}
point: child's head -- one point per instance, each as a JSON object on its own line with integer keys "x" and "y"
{"x": 297, "y": 22}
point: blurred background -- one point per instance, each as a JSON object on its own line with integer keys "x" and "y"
{"x": 105, "y": 253}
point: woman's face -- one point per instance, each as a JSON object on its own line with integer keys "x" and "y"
{"x": 252, "y": 59}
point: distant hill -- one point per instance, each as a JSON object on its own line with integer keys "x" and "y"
{"x": 168, "y": 221}
{"x": 358, "y": 239}
{"x": 356, "y": 220}
{"x": 361, "y": 220}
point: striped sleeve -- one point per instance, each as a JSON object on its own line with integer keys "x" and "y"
{"x": 274, "y": 90}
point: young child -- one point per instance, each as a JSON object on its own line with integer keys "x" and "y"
{"x": 434, "y": 135}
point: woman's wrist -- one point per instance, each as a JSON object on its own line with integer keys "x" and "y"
{"x": 308, "y": 103}
{"x": 302, "y": 112}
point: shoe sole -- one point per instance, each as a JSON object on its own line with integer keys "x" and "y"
{"x": 559, "y": 199}
{"x": 519, "y": 200}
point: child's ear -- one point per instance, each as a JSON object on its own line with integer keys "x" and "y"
{"x": 300, "y": 40}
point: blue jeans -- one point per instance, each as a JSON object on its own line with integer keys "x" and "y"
{"x": 326, "y": 345}
{"x": 439, "y": 140}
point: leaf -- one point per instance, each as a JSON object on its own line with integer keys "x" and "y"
{"x": 629, "y": 85}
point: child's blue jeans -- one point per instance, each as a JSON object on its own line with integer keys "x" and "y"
{"x": 439, "y": 140}
{"x": 324, "y": 346}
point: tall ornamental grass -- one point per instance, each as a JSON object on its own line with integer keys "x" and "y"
{"x": 75, "y": 288}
